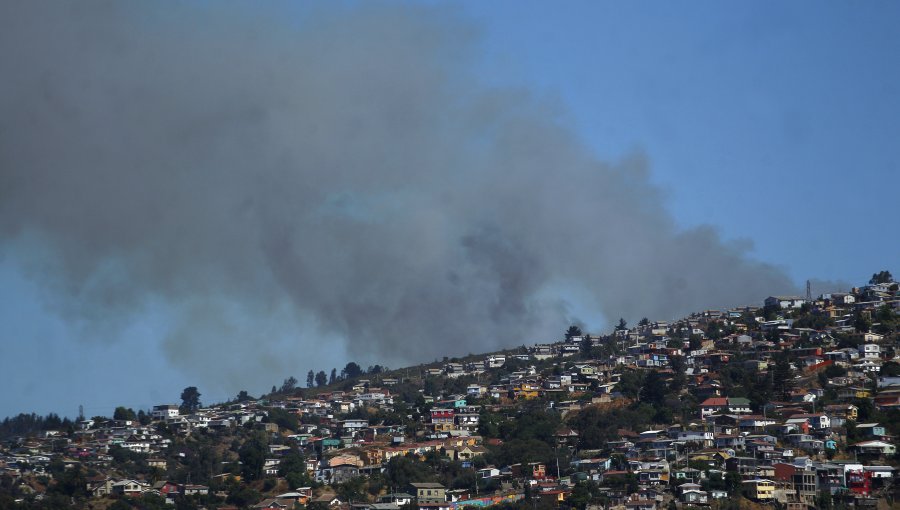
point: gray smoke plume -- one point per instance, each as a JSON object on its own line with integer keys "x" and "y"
{"x": 280, "y": 181}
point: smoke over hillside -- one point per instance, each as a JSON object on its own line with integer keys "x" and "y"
{"x": 275, "y": 184}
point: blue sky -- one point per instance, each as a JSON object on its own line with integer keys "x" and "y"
{"x": 776, "y": 122}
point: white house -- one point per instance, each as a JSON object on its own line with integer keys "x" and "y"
{"x": 495, "y": 361}
{"x": 870, "y": 351}
{"x": 785, "y": 301}
{"x": 164, "y": 412}
{"x": 875, "y": 447}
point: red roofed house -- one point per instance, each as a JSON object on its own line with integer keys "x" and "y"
{"x": 712, "y": 406}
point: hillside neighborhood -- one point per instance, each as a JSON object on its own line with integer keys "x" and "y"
{"x": 792, "y": 402}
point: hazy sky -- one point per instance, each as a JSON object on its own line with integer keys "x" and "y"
{"x": 219, "y": 196}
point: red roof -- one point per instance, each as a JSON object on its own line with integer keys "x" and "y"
{"x": 720, "y": 401}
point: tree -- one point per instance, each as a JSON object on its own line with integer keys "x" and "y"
{"x": 289, "y": 384}
{"x": 321, "y": 378}
{"x": 653, "y": 391}
{"x": 351, "y": 371}
{"x": 253, "y": 456}
{"x": 861, "y": 323}
{"x": 190, "y": 400}
{"x": 622, "y": 325}
{"x": 243, "y": 396}
{"x": 573, "y": 331}
{"x": 586, "y": 347}
{"x": 890, "y": 369}
{"x": 310, "y": 379}
{"x": 678, "y": 369}
{"x": 881, "y": 277}
{"x": 121, "y": 413}
{"x": 783, "y": 376}
{"x": 333, "y": 378}
{"x": 630, "y": 383}
{"x": 695, "y": 342}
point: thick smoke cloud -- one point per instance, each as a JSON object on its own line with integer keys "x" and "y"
{"x": 275, "y": 182}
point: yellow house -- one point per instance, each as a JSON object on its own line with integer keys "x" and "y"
{"x": 526, "y": 391}
{"x": 853, "y": 392}
{"x": 759, "y": 489}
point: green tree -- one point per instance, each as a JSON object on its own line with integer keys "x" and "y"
{"x": 243, "y": 496}
{"x": 310, "y": 379}
{"x": 861, "y": 323}
{"x": 890, "y": 369}
{"x": 573, "y": 331}
{"x": 190, "y": 400}
{"x": 678, "y": 369}
{"x": 653, "y": 391}
{"x": 881, "y": 277}
{"x": 783, "y": 376}
{"x": 351, "y": 371}
{"x": 289, "y": 384}
{"x": 283, "y": 418}
{"x": 401, "y": 471}
{"x": 695, "y": 342}
{"x": 252, "y": 455}
{"x": 122, "y": 413}
{"x": 321, "y": 378}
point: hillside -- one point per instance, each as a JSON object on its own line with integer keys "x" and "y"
{"x": 793, "y": 400}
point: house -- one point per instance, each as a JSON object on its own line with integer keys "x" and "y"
{"x": 694, "y": 497}
{"x": 272, "y": 504}
{"x": 712, "y": 406}
{"x": 164, "y": 412}
{"x": 100, "y": 488}
{"x": 495, "y": 361}
{"x": 875, "y": 447}
{"x": 429, "y": 492}
{"x": 476, "y": 390}
{"x": 870, "y": 430}
{"x": 344, "y": 472}
{"x": 845, "y": 411}
{"x": 640, "y": 504}
{"x": 818, "y": 421}
{"x": 327, "y": 499}
{"x": 759, "y": 489}
{"x": 488, "y": 472}
{"x": 870, "y": 351}
{"x": 886, "y": 381}
{"x": 157, "y": 463}
{"x": 853, "y": 393}
{"x": 739, "y": 405}
{"x": 754, "y": 422}
{"x": 191, "y": 490}
{"x": 302, "y": 495}
{"x": 166, "y": 489}
{"x": 442, "y": 420}
{"x": 398, "y": 498}
{"x": 129, "y": 488}
{"x": 785, "y": 301}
